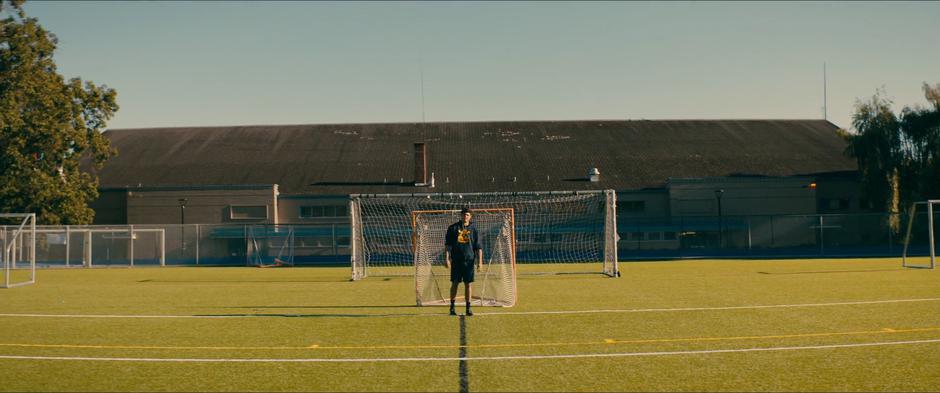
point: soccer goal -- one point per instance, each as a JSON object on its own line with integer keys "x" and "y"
{"x": 494, "y": 284}
{"x": 18, "y": 242}
{"x": 914, "y": 238}
{"x": 555, "y": 232}
{"x": 270, "y": 246}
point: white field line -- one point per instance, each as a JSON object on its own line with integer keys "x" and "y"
{"x": 754, "y": 307}
{"x": 636, "y": 310}
{"x": 452, "y": 359}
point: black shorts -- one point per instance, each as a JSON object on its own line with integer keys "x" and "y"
{"x": 462, "y": 272}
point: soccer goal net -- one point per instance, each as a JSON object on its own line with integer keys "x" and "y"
{"x": 921, "y": 235}
{"x": 270, "y": 246}
{"x": 494, "y": 283}
{"x": 555, "y": 232}
{"x": 18, "y": 242}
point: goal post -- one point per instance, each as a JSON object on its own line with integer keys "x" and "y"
{"x": 914, "y": 234}
{"x": 18, "y": 256}
{"x": 269, "y": 246}
{"x": 554, "y": 232}
{"x": 494, "y": 284}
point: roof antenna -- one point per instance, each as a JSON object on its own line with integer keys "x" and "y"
{"x": 422, "y": 96}
{"x": 825, "y": 116}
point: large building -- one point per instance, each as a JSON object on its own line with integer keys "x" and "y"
{"x": 303, "y": 174}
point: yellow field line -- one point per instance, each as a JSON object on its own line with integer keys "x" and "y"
{"x": 83, "y": 346}
{"x": 551, "y": 344}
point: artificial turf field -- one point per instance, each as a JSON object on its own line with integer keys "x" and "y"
{"x": 729, "y": 325}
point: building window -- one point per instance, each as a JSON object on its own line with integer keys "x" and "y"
{"x": 631, "y": 206}
{"x": 322, "y": 211}
{"x": 833, "y": 204}
{"x": 654, "y": 235}
{"x": 248, "y": 212}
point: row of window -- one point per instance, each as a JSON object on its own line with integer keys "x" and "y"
{"x": 323, "y": 211}
{"x": 651, "y": 236}
{"x": 825, "y": 204}
{"x": 631, "y": 206}
{"x": 260, "y": 212}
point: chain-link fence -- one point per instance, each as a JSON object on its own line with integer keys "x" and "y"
{"x": 190, "y": 245}
{"x": 821, "y": 235}
{"x": 827, "y": 235}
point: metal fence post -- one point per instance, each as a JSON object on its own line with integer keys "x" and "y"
{"x": 68, "y": 242}
{"x": 130, "y": 248}
{"x": 748, "y": 234}
{"x": 822, "y": 242}
{"x": 198, "y": 240}
{"x": 87, "y": 249}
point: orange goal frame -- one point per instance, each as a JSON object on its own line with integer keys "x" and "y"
{"x": 512, "y": 231}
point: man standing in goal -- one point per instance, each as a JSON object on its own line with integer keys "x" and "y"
{"x": 461, "y": 245}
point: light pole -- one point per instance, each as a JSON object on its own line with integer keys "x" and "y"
{"x": 721, "y": 242}
{"x": 182, "y": 202}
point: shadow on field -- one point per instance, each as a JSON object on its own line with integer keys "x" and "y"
{"x": 834, "y": 271}
{"x": 317, "y": 315}
{"x": 238, "y": 281}
{"x": 320, "y": 315}
{"x": 369, "y": 306}
{"x": 326, "y": 315}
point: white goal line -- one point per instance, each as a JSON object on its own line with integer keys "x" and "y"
{"x": 635, "y": 310}
{"x": 478, "y": 358}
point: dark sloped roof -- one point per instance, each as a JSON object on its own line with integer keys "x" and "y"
{"x": 472, "y": 156}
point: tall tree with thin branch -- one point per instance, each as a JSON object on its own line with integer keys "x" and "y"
{"x": 47, "y": 125}
{"x": 898, "y": 155}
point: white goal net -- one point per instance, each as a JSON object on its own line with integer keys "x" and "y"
{"x": 494, "y": 284}
{"x": 18, "y": 256}
{"x": 269, "y": 245}
{"x": 921, "y": 235}
{"x": 555, "y": 232}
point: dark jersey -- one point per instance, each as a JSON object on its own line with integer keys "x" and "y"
{"x": 462, "y": 241}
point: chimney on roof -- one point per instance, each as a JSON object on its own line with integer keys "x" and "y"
{"x": 594, "y": 175}
{"x": 421, "y": 164}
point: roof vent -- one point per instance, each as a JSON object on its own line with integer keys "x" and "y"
{"x": 594, "y": 175}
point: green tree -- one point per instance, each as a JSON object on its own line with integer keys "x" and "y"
{"x": 921, "y": 128}
{"x": 898, "y": 156}
{"x": 876, "y": 146}
{"x": 47, "y": 125}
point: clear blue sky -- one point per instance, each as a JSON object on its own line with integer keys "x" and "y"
{"x": 239, "y": 63}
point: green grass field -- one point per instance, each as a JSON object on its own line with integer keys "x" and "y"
{"x": 730, "y": 325}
